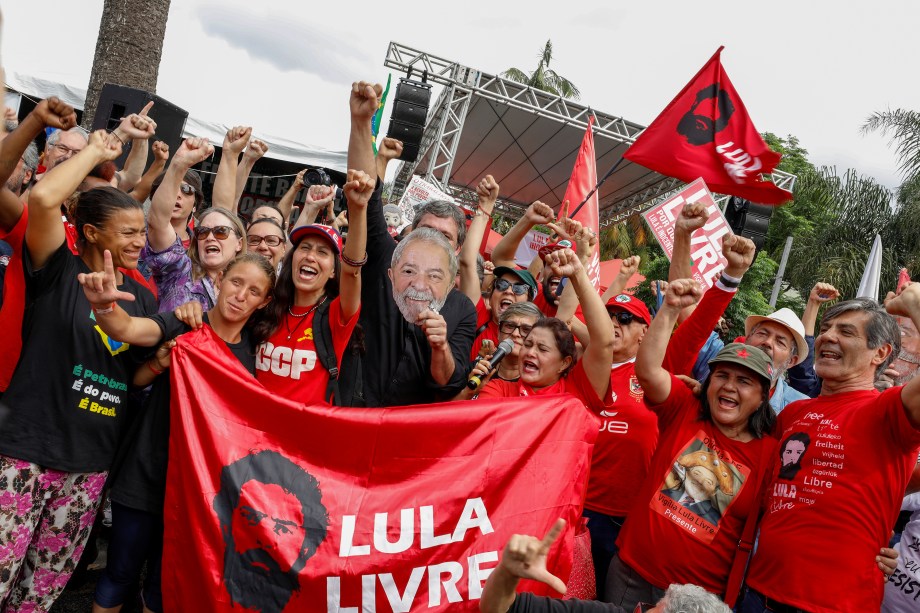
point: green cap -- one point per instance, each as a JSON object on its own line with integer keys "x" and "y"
{"x": 521, "y": 274}
{"x": 749, "y": 357}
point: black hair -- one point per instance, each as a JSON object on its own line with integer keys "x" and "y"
{"x": 191, "y": 177}
{"x": 760, "y": 422}
{"x": 267, "y": 205}
{"x": 96, "y": 206}
{"x": 259, "y": 324}
{"x": 565, "y": 340}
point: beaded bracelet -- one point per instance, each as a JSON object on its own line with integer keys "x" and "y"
{"x": 354, "y": 263}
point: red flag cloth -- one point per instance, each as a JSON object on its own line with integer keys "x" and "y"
{"x": 706, "y": 132}
{"x": 903, "y": 279}
{"x": 582, "y": 181}
{"x": 273, "y": 506}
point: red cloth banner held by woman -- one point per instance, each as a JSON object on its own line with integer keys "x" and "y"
{"x": 273, "y": 506}
{"x": 706, "y": 132}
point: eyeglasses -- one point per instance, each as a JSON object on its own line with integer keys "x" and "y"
{"x": 187, "y": 189}
{"x": 65, "y": 149}
{"x": 519, "y": 289}
{"x": 624, "y": 318}
{"x": 271, "y": 240}
{"x": 219, "y": 232}
{"x": 509, "y": 327}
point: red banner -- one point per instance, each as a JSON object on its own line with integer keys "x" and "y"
{"x": 582, "y": 181}
{"x": 705, "y": 243}
{"x": 706, "y": 132}
{"x": 273, "y": 506}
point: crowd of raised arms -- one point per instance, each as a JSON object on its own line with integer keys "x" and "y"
{"x": 703, "y": 441}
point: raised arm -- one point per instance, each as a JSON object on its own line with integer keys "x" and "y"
{"x": 45, "y": 232}
{"x": 537, "y": 213}
{"x": 358, "y": 190}
{"x": 102, "y": 292}
{"x": 482, "y": 220}
{"x": 599, "y": 354}
{"x": 129, "y": 176}
{"x": 160, "y": 233}
{"x": 363, "y": 103}
{"x": 286, "y": 204}
{"x": 692, "y": 217}
{"x": 389, "y": 150}
{"x": 235, "y": 141}
{"x": 141, "y": 191}
{"x": 628, "y": 267}
{"x": 254, "y": 152}
{"x": 51, "y": 113}
{"x": 654, "y": 379}
{"x": 907, "y": 304}
{"x": 820, "y": 293}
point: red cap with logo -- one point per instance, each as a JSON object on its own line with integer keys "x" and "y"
{"x": 328, "y": 232}
{"x": 630, "y": 304}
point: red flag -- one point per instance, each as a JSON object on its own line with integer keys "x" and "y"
{"x": 582, "y": 181}
{"x": 274, "y": 506}
{"x": 706, "y": 132}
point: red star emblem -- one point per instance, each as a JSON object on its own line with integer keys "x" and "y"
{"x": 743, "y": 354}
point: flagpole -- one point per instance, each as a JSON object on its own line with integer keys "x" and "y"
{"x": 599, "y": 183}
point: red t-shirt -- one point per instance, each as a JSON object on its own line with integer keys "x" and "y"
{"x": 287, "y": 364}
{"x": 483, "y": 318}
{"x": 690, "y": 336}
{"x": 575, "y": 383}
{"x": 624, "y": 446}
{"x": 14, "y": 302}
{"x": 826, "y": 518}
{"x": 545, "y": 307}
{"x": 676, "y": 535}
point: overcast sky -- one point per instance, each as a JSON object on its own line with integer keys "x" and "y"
{"x": 813, "y": 69}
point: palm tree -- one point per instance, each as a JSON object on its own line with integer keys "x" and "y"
{"x": 128, "y": 49}
{"x": 904, "y": 127}
{"x": 544, "y": 77}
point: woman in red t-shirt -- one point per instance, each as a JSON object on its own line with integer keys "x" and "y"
{"x": 313, "y": 277}
{"x": 549, "y": 362}
{"x": 706, "y": 473}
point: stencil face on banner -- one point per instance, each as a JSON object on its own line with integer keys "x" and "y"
{"x": 418, "y": 191}
{"x": 705, "y": 243}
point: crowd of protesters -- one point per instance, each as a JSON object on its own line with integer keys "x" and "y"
{"x": 804, "y": 433}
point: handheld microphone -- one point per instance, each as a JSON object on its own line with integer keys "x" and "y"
{"x": 504, "y": 348}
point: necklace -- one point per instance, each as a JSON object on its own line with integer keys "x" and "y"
{"x": 301, "y": 317}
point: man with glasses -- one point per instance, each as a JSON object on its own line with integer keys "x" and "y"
{"x": 626, "y": 440}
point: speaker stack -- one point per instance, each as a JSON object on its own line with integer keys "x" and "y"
{"x": 117, "y": 101}
{"x": 407, "y": 119}
{"x": 749, "y": 219}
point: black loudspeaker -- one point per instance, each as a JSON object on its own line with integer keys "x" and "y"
{"x": 749, "y": 219}
{"x": 407, "y": 119}
{"x": 117, "y": 101}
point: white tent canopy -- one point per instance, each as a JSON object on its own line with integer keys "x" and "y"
{"x": 279, "y": 148}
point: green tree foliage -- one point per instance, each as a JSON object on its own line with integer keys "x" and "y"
{"x": 544, "y": 78}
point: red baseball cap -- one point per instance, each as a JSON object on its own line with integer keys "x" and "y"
{"x": 548, "y": 249}
{"x": 328, "y": 232}
{"x": 630, "y": 304}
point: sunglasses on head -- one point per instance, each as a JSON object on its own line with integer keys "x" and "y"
{"x": 624, "y": 318}
{"x": 271, "y": 241}
{"x": 219, "y": 232}
{"x": 509, "y": 327}
{"x": 519, "y": 289}
{"x": 186, "y": 189}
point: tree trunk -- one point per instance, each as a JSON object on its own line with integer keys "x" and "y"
{"x": 128, "y": 48}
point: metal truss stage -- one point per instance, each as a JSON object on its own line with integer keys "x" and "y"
{"x": 527, "y": 138}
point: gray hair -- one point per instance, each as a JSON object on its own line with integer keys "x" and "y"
{"x": 691, "y": 599}
{"x": 30, "y": 156}
{"x": 445, "y": 210}
{"x": 480, "y": 268}
{"x": 432, "y": 237}
{"x": 520, "y": 309}
{"x": 56, "y": 136}
{"x": 882, "y": 328}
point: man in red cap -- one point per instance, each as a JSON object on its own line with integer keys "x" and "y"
{"x": 627, "y": 437}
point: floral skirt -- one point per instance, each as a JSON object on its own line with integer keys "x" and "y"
{"x": 45, "y": 519}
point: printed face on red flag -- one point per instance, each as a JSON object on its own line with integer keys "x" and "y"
{"x": 705, "y": 243}
{"x": 272, "y": 506}
{"x": 706, "y": 132}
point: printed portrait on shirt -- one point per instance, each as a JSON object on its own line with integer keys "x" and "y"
{"x": 698, "y": 488}
{"x": 791, "y": 453}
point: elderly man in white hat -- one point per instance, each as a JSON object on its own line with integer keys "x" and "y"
{"x": 780, "y": 335}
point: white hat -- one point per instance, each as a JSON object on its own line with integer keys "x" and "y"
{"x": 786, "y": 318}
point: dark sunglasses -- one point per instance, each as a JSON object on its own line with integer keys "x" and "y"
{"x": 519, "y": 289}
{"x": 509, "y": 327}
{"x": 271, "y": 241}
{"x": 219, "y": 232}
{"x": 186, "y": 189}
{"x": 624, "y": 318}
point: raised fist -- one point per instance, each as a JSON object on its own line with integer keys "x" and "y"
{"x": 692, "y": 217}
{"x": 255, "y": 151}
{"x": 160, "y": 151}
{"x": 106, "y": 146}
{"x": 236, "y": 139}
{"x": 365, "y": 98}
{"x": 488, "y": 194}
{"x": 739, "y": 252}
{"x": 823, "y": 292}
{"x": 905, "y": 304}
{"x": 192, "y": 151}
{"x": 53, "y": 113}
{"x": 629, "y": 266}
{"x": 359, "y": 186}
{"x": 389, "y": 148}
{"x": 564, "y": 263}
{"x": 682, "y": 293}
{"x": 539, "y": 213}
{"x": 138, "y": 125}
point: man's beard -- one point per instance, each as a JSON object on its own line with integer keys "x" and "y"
{"x": 411, "y": 311}
{"x": 909, "y": 369}
{"x": 697, "y": 129}
{"x": 254, "y": 587}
